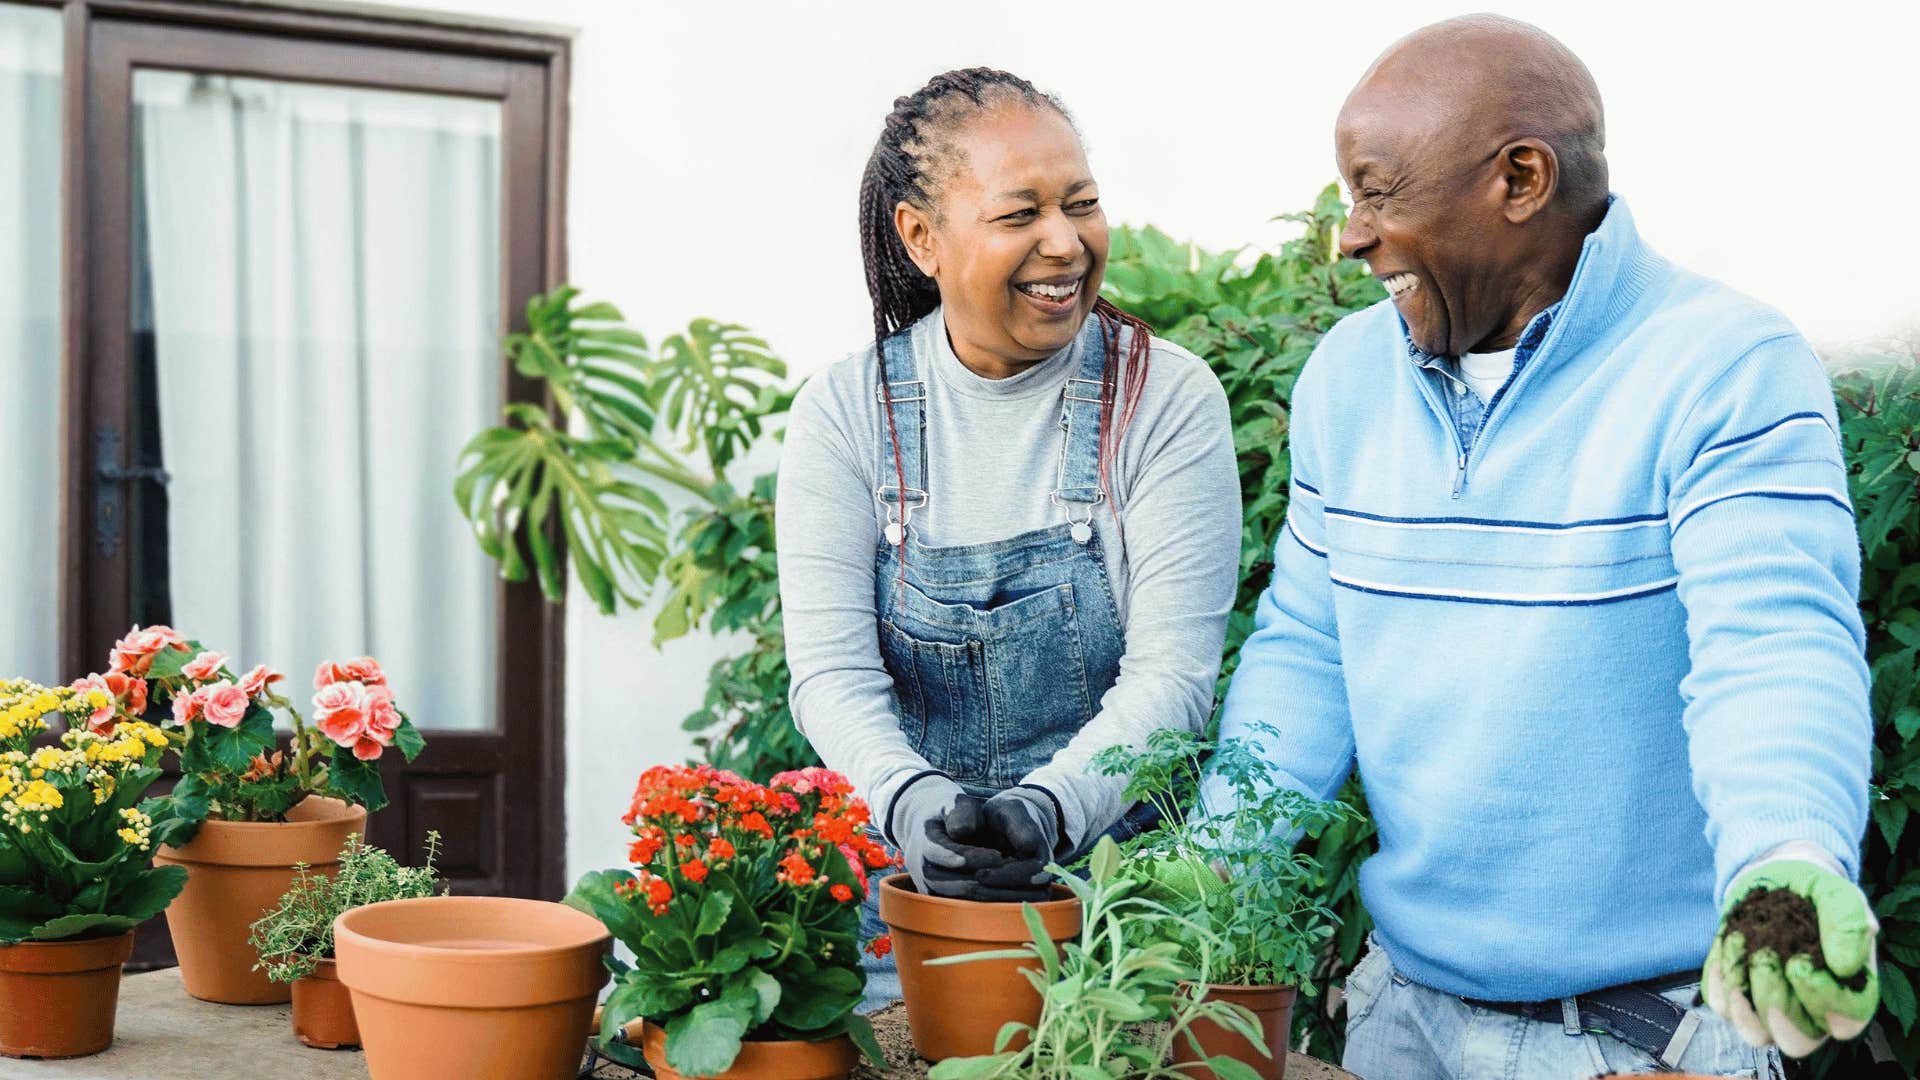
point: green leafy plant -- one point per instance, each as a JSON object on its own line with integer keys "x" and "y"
{"x": 1117, "y": 1002}
{"x": 75, "y": 849}
{"x": 297, "y": 933}
{"x": 743, "y": 913}
{"x": 1271, "y": 927}
{"x": 636, "y": 425}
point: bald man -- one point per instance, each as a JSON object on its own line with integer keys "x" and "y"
{"x": 1570, "y": 572}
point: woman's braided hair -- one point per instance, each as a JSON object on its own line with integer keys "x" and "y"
{"x": 913, "y": 156}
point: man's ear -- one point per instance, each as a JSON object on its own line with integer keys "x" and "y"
{"x": 915, "y": 227}
{"x": 1531, "y": 171}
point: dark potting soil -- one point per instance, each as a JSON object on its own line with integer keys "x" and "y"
{"x": 1781, "y": 920}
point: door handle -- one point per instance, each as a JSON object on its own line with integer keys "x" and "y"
{"x": 111, "y": 475}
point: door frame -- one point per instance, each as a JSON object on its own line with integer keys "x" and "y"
{"x": 526, "y": 68}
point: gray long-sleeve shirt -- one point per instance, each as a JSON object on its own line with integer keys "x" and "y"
{"x": 992, "y": 446}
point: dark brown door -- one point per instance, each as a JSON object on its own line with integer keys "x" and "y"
{"x": 295, "y": 257}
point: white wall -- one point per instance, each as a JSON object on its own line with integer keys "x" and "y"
{"x": 717, "y": 149}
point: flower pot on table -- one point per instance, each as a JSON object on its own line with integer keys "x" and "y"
{"x": 236, "y": 872}
{"x": 323, "y": 1010}
{"x": 1272, "y": 1009}
{"x": 471, "y": 987}
{"x": 957, "y": 1010}
{"x": 58, "y": 998}
{"x": 829, "y": 1059}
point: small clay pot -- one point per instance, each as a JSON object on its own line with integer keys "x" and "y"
{"x": 957, "y": 1010}
{"x": 236, "y": 872}
{"x": 323, "y": 1010}
{"x": 830, "y": 1059}
{"x": 1272, "y": 1008}
{"x": 58, "y": 998}
{"x": 471, "y": 987}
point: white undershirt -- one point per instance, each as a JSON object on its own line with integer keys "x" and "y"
{"x": 1485, "y": 372}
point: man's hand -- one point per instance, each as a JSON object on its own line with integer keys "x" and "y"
{"x": 1793, "y": 1002}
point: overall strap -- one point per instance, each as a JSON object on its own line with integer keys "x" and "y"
{"x": 909, "y": 396}
{"x": 1077, "y": 488}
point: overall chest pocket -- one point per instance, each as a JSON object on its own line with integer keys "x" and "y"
{"x": 987, "y": 694}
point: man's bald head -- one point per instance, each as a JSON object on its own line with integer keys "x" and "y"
{"x": 1475, "y": 152}
{"x": 1488, "y": 80}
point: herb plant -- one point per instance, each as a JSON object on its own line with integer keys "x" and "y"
{"x": 297, "y": 933}
{"x": 1117, "y": 1002}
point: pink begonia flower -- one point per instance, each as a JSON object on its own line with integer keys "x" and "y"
{"x": 367, "y": 748}
{"x": 365, "y": 671}
{"x": 340, "y": 712}
{"x": 134, "y": 653}
{"x": 383, "y": 716}
{"x": 205, "y": 666}
{"x": 223, "y": 703}
{"x": 186, "y": 708}
{"x": 129, "y": 688}
{"x": 255, "y": 682}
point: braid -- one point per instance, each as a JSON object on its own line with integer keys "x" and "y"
{"x": 916, "y": 151}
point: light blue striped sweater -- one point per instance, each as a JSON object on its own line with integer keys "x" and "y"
{"x": 1594, "y": 665}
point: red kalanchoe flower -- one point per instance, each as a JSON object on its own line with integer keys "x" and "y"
{"x": 795, "y": 870}
{"x": 880, "y": 946}
{"x": 695, "y": 870}
{"x": 841, "y": 893}
{"x": 659, "y": 895}
{"x": 719, "y": 848}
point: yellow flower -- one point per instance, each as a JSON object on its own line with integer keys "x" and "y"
{"x": 40, "y": 796}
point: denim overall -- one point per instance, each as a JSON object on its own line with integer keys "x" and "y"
{"x": 999, "y": 652}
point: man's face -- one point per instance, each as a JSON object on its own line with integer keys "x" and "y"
{"x": 1427, "y": 219}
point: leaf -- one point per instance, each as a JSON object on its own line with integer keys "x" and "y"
{"x": 713, "y": 913}
{"x": 1226, "y": 1068}
{"x": 408, "y": 739}
{"x": 232, "y": 749}
{"x": 149, "y": 893}
{"x": 819, "y": 999}
{"x": 860, "y": 1030}
{"x": 1896, "y": 995}
{"x": 96, "y": 925}
{"x": 356, "y": 781}
{"x": 705, "y": 1040}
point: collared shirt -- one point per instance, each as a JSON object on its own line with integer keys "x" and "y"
{"x": 1463, "y": 402}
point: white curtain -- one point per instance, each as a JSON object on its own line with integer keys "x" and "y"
{"x": 324, "y": 282}
{"x": 29, "y": 341}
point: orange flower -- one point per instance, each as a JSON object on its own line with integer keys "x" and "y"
{"x": 841, "y": 893}
{"x": 795, "y": 870}
{"x": 695, "y": 870}
{"x": 880, "y": 946}
{"x": 718, "y": 848}
{"x": 756, "y": 822}
{"x": 659, "y": 895}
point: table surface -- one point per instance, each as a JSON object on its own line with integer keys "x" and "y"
{"x": 163, "y": 1034}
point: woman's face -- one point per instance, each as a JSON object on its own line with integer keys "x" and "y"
{"x": 1017, "y": 241}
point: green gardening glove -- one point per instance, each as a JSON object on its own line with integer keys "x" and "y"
{"x": 1791, "y": 1002}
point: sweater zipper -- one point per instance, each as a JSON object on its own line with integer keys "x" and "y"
{"x": 1453, "y": 431}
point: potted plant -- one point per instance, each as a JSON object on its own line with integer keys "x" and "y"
{"x": 244, "y": 814}
{"x": 76, "y": 873}
{"x": 743, "y": 915}
{"x": 295, "y": 939}
{"x": 1268, "y": 930}
{"x": 1122, "y": 996}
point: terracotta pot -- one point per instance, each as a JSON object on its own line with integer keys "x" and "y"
{"x": 957, "y": 1010}
{"x": 323, "y": 1010}
{"x": 57, "y": 998}
{"x": 831, "y": 1059}
{"x": 1272, "y": 1008}
{"x": 236, "y": 871}
{"x": 471, "y": 987}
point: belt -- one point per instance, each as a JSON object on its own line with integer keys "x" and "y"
{"x": 1635, "y": 1013}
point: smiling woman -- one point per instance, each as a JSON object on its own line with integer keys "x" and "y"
{"x": 1009, "y": 530}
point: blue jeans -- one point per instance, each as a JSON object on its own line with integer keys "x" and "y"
{"x": 1400, "y": 1030}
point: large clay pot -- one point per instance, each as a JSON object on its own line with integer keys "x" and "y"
{"x": 57, "y": 998}
{"x": 471, "y": 987}
{"x": 957, "y": 1010}
{"x": 1272, "y": 1008}
{"x": 323, "y": 1010}
{"x": 236, "y": 871}
{"x": 831, "y": 1059}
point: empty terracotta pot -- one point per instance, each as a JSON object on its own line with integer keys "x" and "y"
{"x": 1272, "y": 1008}
{"x": 832, "y": 1059}
{"x": 471, "y": 987}
{"x": 57, "y": 998}
{"x": 323, "y": 1010}
{"x": 236, "y": 870}
{"x": 957, "y": 1010}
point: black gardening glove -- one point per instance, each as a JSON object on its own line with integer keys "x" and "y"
{"x": 934, "y": 823}
{"x": 1025, "y": 823}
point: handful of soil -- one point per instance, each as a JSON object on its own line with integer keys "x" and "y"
{"x": 1781, "y": 920}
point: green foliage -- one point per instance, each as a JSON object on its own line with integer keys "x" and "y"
{"x": 1136, "y": 962}
{"x": 297, "y": 933}
{"x": 1270, "y": 928}
{"x": 1880, "y": 427}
